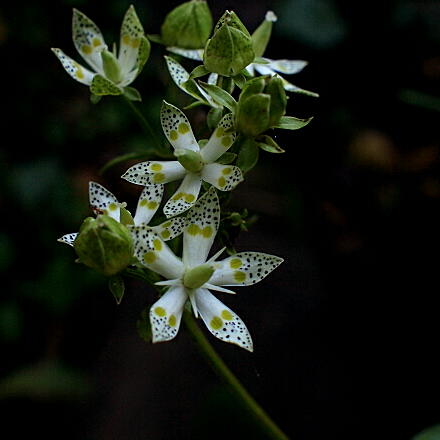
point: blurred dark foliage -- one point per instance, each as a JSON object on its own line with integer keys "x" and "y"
{"x": 346, "y": 331}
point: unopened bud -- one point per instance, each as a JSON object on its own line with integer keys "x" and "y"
{"x": 261, "y": 35}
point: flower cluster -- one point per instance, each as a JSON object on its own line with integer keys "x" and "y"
{"x": 176, "y": 248}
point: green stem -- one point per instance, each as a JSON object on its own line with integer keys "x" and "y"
{"x": 222, "y": 370}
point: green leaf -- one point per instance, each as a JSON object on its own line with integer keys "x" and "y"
{"x": 132, "y": 94}
{"x": 292, "y": 123}
{"x": 117, "y": 287}
{"x": 267, "y": 143}
{"x": 248, "y": 154}
{"x": 226, "y": 158}
{"x": 198, "y": 72}
{"x": 220, "y": 96}
{"x": 213, "y": 118}
{"x": 239, "y": 80}
{"x": 102, "y": 86}
{"x": 143, "y": 326}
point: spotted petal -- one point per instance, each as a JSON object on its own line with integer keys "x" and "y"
{"x": 166, "y": 314}
{"x": 155, "y": 254}
{"x": 88, "y": 40}
{"x": 68, "y": 238}
{"x": 170, "y": 228}
{"x": 192, "y": 54}
{"x": 223, "y": 177}
{"x": 102, "y": 201}
{"x": 221, "y": 321}
{"x": 220, "y": 141}
{"x": 148, "y": 204}
{"x": 244, "y": 269}
{"x": 202, "y": 225}
{"x": 74, "y": 69}
{"x": 177, "y": 128}
{"x": 154, "y": 172}
{"x": 185, "y": 196}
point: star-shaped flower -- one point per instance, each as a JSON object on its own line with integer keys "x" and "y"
{"x": 110, "y": 73}
{"x": 195, "y": 164}
{"x": 102, "y": 201}
{"x": 192, "y": 277}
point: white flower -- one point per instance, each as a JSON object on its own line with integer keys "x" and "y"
{"x": 199, "y": 162}
{"x": 109, "y": 74}
{"x": 103, "y": 201}
{"x": 192, "y": 277}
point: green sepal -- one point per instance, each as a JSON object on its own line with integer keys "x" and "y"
{"x": 292, "y": 123}
{"x": 226, "y": 158}
{"x": 213, "y": 118}
{"x": 143, "y": 326}
{"x": 188, "y": 25}
{"x": 231, "y": 19}
{"x": 252, "y": 87}
{"x": 239, "y": 80}
{"x": 102, "y": 86}
{"x": 253, "y": 115}
{"x": 155, "y": 38}
{"x": 220, "y": 96}
{"x": 132, "y": 94}
{"x": 268, "y": 144}
{"x": 261, "y": 37}
{"x": 116, "y": 286}
{"x": 126, "y": 217}
{"x": 194, "y": 105}
{"x": 199, "y": 71}
{"x": 143, "y": 54}
{"x": 248, "y": 154}
{"x": 94, "y": 99}
{"x": 278, "y": 100}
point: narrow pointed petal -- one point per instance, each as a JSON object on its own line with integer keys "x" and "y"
{"x": 154, "y": 254}
{"x": 88, "y": 40}
{"x": 154, "y": 172}
{"x": 202, "y": 225}
{"x": 218, "y": 288}
{"x": 102, "y": 201}
{"x": 212, "y": 78}
{"x": 220, "y": 141}
{"x": 170, "y": 228}
{"x": 75, "y": 70}
{"x": 223, "y": 177}
{"x": 185, "y": 196}
{"x": 244, "y": 269}
{"x": 177, "y": 128}
{"x": 216, "y": 255}
{"x": 132, "y": 33}
{"x": 192, "y": 54}
{"x": 68, "y": 238}
{"x": 148, "y": 204}
{"x": 221, "y": 321}
{"x": 166, "y": 314}
{"x": 289, "y": 67}
{"x": 289, "y": 87}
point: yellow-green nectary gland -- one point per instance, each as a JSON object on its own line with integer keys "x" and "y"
{"x": 197, "y": 276}
{"x": 111, "y": 66}
{"x": 190, "y": 160}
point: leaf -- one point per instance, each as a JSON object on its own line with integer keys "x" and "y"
{"x": 198, "y": 72}
{"x": 219, "y": 95}
{"x": 248, "y": 155}
{"x": 266, "y": 143}
{"x": 292, "y": 123}
{"x": 155, "y": 38}
{"x": 213, "y": 118}
{"x": 117, "y": 287}
{"x": 102, "y": 86}
{"x": 239, "y": 80}
{"x": 226, "y": 158}
{"x": 132, "y": 94}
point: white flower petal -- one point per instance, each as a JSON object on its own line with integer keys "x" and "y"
{"x": 185, "y": 196}
{"x": 223, "y": 177}
{"x": 102, "y": 201}
{"x": 74, "y": 69}
{"x": 154, "y": 172}
{"x": 289, "y": 67}
{"x": 221, "y": 321}
{"x": 244, "y": 269}
{"x": 220, "y": 141}
{"x": 88, "y": 40}
{"x": 148, "y": 204}
{"x": 177, "y": 128}
{"x": 68, "y": 238}
{"x": 153, "y": 253}
{"x": 202, "y": 225}
{"x": 170, "y": 228}
{"x": 166, "y": 314}
{"x": 264, "y": 69}
{"x": 192, "y": 54}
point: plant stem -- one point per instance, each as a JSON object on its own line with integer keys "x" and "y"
{"x": 222, "y": 370}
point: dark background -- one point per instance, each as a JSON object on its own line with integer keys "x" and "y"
{"x": 345, "y": 331}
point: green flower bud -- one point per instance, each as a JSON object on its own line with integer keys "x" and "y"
{"x": 261, "y": 35}
{"x": 278, "y": 100}
{"x": 190, "y": 160}
{"x": 104, "y": 245}
{"x": 111, "y": 66}
{"x": 197, "y": 276}
{"x": 188, "y": 25}
{"x": 230, "y": 49}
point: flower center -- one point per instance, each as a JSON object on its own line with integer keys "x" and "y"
{"x": 197, "y": 276}
{"x": 190, "y": 160}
